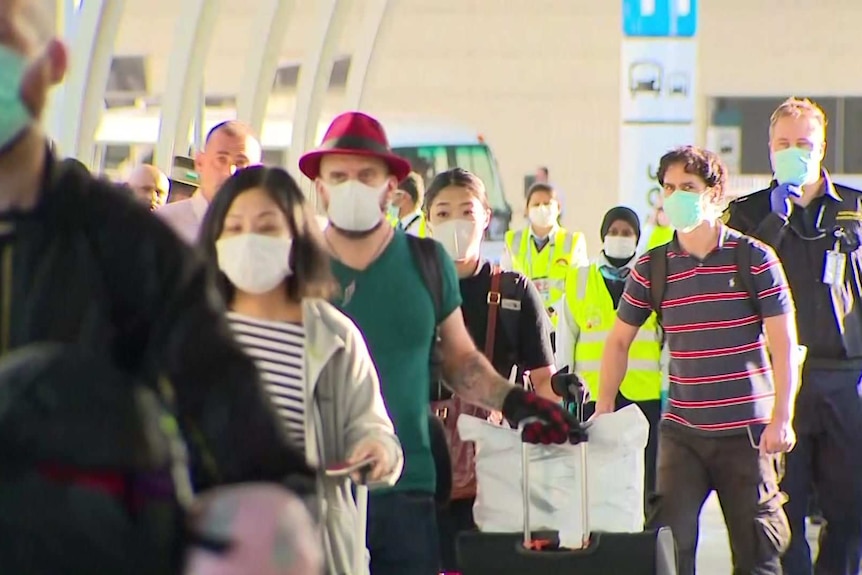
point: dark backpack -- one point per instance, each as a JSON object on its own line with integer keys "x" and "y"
{"x": 512, "y": 290}
{"x": 658, "y": 275}
{"x": 94, "y": 475}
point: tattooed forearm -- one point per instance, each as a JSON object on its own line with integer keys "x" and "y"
{"x": 474, "y": 379}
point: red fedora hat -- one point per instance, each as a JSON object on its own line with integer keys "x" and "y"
{"x": 355, "y": 134}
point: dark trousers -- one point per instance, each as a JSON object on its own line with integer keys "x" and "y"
{"x": 828, "y": 454}
{"x": 402, "y": 534}
{"x": 453, "y": 519}
{"x": 652, "y": 411}
{"x": 690, "y": 467}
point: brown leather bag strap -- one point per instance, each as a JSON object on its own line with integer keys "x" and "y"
{"x": 494, "y": 299}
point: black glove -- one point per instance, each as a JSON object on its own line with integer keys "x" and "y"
{"x": 554, "y": 425}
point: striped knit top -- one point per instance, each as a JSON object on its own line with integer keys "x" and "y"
{"x": 720, "y": 375}
{"x": 278, "y": 349}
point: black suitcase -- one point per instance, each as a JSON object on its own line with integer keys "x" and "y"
{"x": 651, "y": 552}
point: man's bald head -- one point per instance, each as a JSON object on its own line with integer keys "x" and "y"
{"x": 150, "y": 186}
{"x": 229, "y": 146}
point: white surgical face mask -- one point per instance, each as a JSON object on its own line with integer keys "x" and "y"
{"x": 620, "y": 247}
{"x": 254, "y": 263}
{"x": 354, "y": 206}
{"x": 456, "y": 236}
{"x": 543, "y": 216}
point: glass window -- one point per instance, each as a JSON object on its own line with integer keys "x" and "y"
{"x": 115, "y": 156}
{"x": 273, "y": 158}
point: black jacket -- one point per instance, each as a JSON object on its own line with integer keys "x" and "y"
{"x": 829, "y": 325}
{"x": 91, "y": 267}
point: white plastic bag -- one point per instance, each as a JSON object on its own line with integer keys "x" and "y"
{"x": 615, "y": 475}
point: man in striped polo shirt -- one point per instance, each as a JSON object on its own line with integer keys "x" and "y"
{"x": 730, "y": 409}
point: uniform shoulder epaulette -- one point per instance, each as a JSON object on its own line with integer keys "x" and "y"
{"x": 742, "y": 199}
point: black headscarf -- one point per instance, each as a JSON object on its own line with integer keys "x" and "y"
{"x": 621, "y": 213}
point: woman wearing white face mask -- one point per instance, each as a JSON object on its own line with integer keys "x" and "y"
{"x": 544, "y": 251}
{"x": 504, "y": 314}
{"x": 313, "y": 360}
{"x": 593, "y": 293}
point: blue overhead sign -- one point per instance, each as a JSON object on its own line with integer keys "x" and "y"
{"x": 660, "y": 18}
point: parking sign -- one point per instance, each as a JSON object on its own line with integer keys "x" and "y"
{"x": 660, "y": 18}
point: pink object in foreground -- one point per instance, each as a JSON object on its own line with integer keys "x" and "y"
{"x": 253, "y": 529}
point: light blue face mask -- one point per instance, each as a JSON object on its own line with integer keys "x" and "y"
{"x": 685, "y": 210}
{"x": 393, "y": 213}
{"x": 795, "y": 166}
{"x": 14, "y": 116}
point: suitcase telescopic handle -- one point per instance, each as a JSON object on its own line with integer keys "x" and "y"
{"x": 525, "y": 491}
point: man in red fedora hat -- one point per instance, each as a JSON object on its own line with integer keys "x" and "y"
{"x": 380, "y": 271}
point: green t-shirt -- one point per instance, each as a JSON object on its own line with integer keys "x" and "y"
{"x": 394, "y": 310}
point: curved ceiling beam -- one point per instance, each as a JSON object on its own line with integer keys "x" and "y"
{"x": 314, "y": 78}
{"x": 95, "y": 27}
{"x": 267, "y": 36}
{"x": 360, "y": 61}
{"x": 192, "y": 38}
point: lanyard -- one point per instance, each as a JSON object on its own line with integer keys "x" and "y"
{"x": 415, "y": 219}
{"x": 527, "y": 245}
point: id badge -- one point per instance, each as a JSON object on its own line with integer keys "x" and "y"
{"x": 834, "y": 265}
{"x": 543, "y": 287}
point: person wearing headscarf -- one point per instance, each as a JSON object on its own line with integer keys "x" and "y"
{"x": 593, "y": 293}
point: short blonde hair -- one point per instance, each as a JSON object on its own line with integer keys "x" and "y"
{"x": 796, "y": 108}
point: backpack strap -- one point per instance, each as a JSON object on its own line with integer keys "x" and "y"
{"x": 742, "y": 254}
{"x": 657, "y": 277}
{"x": 425, "y": 255}
{"x": 495, "y": 298}
{"x": 513, "y": 288}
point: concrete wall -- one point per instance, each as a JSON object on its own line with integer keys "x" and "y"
{"x": 540, "y": 79}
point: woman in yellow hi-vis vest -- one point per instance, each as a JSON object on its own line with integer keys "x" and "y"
{"x": 661, "y": 232}
{"x": 544, "y": 251}
{"x": 593, "y": 293}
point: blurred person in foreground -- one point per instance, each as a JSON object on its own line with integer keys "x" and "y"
{"x": 75, "y": 270}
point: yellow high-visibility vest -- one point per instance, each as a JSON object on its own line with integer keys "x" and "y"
{"x": 592, "y": 308}
{"x": 659, "y": 236}
{"x": 548, "y": 268}
{"x": 423, "y": 224}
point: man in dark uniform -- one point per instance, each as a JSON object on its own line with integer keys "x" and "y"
{"x": 815, "y": 226}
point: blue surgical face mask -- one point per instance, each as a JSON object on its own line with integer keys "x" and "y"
{"x": 14, "y": 116}
{"x": 685, "y": 210}
{"x": 795, "y": 166}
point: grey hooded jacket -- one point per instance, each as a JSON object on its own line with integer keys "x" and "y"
{"x": 345, "y": 407}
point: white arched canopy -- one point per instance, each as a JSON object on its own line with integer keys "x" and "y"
{"x": 94, "y": 29}
{"x": 194, "y": 32}
{"x": 264, "y": 48}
